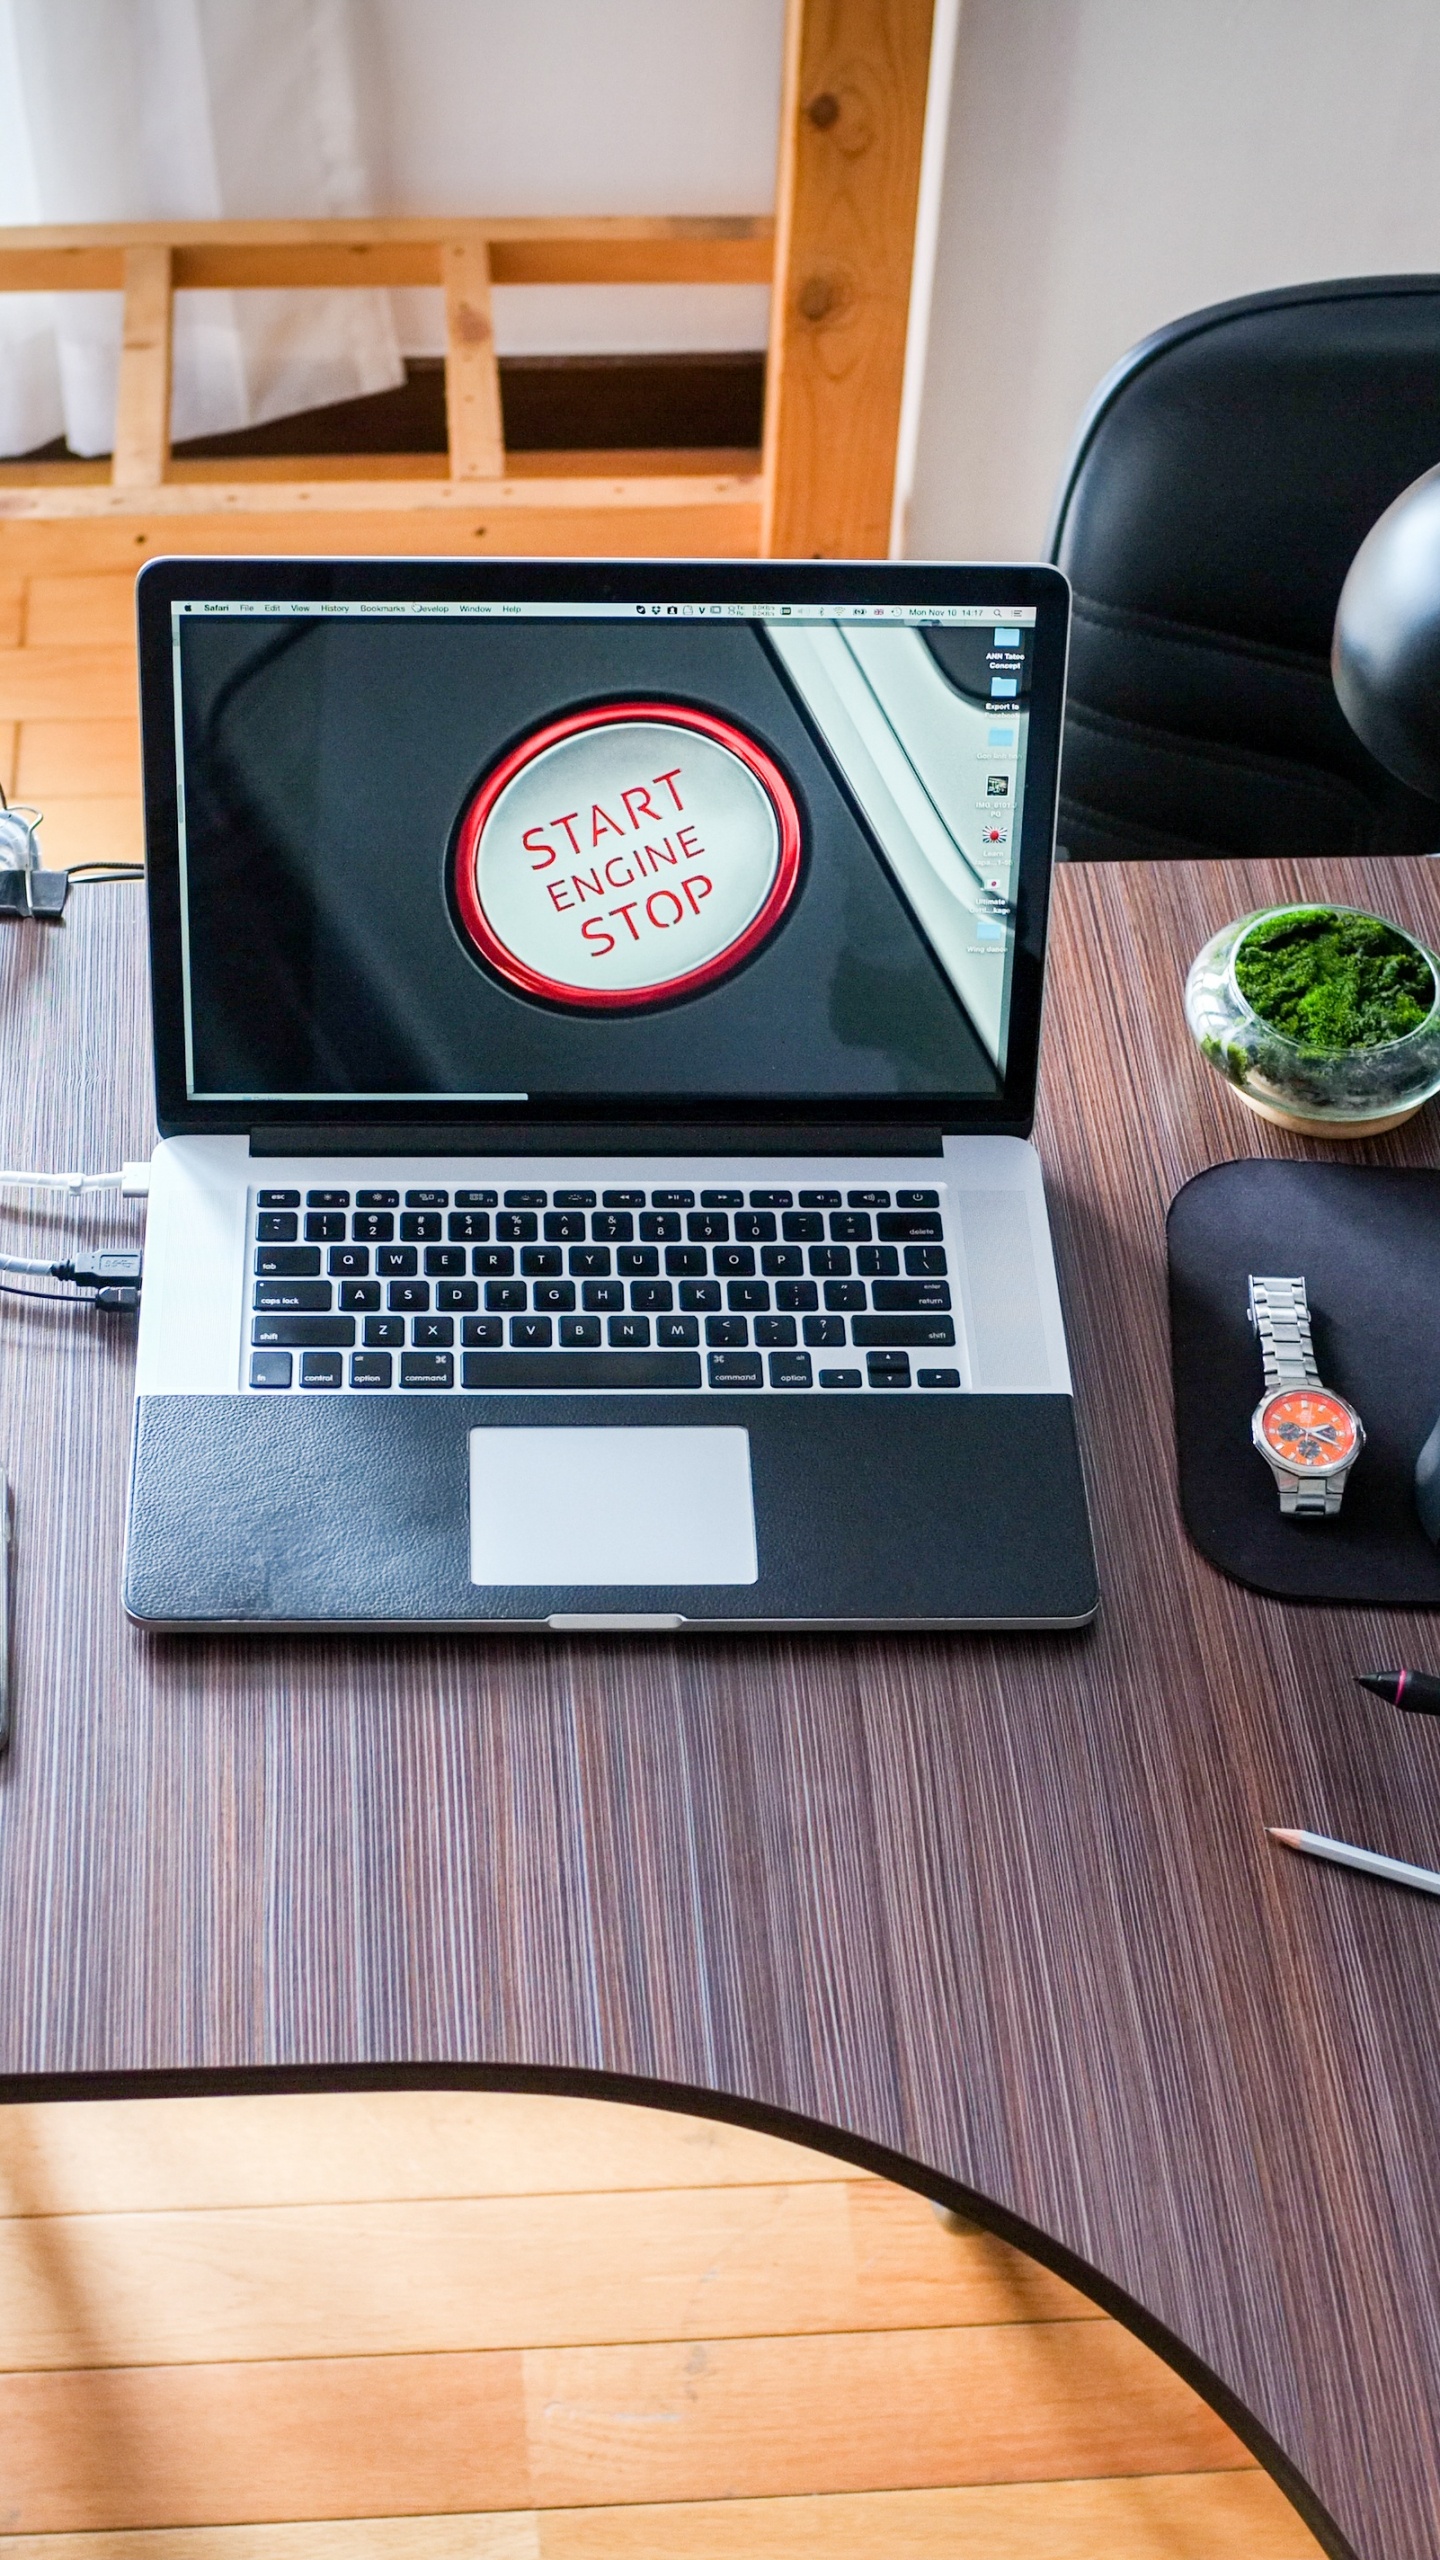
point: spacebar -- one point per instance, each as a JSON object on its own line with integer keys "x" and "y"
{"x": 580, "y": 1369}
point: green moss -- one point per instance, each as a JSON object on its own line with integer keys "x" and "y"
{"x": 1330, "y": 980}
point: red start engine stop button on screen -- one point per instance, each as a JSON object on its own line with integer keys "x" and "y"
{"x": 627, "y": 855}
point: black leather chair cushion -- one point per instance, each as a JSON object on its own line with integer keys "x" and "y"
{"x": 1223, "y": 481}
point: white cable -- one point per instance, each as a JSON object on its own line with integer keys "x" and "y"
{"x": 132, "y": 1179}
{"x": 15, "y": 1262}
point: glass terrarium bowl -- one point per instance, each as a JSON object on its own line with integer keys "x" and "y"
{"x": 1329, "y": 1093}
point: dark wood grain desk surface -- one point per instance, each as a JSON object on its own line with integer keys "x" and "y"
{"x": 1002, "y": 1911}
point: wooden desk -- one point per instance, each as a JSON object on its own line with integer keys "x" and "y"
{"x": 1001, "y": 1915}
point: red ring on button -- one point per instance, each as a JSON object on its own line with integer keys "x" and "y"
{"x": 673, "y": 715}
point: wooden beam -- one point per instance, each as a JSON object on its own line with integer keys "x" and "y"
{"x": 243, "y": 256}
{"x": 472, "y": 376}
{"x": 142, "y": 407}
{"x": 852, "y": 124}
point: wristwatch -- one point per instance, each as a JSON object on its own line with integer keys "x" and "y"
{"x": 1308, "y": 1437}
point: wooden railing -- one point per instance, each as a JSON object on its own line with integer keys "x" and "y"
{"x": 852, "y": 122}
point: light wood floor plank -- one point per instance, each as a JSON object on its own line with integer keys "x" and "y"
{"x": 81, "y": 611}
{"x": 9, "y": 758}
{"x": 67, "y": 684}
{"x": 143, "y": 2154}
{"x": 466, "y": 2537}
{"x": 79, "y": 759}
{"x": 900, "y": 2410}
{"x": 449, "y": 2275}
{"x": 12, "y": 612}
{"x": 98, "y": 830}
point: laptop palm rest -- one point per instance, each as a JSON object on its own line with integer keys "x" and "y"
{"x": 610, "y": 1507}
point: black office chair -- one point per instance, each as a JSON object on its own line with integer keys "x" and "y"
{"x": 1224, "y": 478}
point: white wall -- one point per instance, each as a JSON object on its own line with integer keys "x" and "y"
{"x": 1114, "y": 163}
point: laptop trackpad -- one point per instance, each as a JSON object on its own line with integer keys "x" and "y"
{"x": 560, "y": 1507}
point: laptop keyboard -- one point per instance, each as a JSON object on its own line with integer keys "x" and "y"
{"x": 767, "y": 1289}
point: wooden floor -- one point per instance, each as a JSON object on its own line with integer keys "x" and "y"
{"x": 484, "y": 2327}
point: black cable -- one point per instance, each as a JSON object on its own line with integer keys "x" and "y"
{"x": 59, "y": 1296}
{"x": 91, "y": 875}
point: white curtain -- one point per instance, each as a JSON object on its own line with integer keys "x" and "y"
{"x": 147, "y": 110}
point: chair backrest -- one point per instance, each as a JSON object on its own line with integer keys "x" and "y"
{"x": 1223, "y": 480}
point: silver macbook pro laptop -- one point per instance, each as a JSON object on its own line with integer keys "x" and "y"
{"x": 596, "y": 1014}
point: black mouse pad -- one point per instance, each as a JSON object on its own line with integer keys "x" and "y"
{"x": 1367, "y": 1243}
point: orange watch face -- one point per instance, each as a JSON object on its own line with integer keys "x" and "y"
{"x": 1307, "y": 1428}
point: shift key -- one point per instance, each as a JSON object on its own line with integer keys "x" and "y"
{"x": 303, "y": 1333}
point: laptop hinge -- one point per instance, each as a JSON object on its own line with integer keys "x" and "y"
{"x": 598, "y": 1138}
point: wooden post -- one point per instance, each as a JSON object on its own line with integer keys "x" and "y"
{"x": 852, "y": 125}
{"x": 142, "y": 407}
{"x": 472, "y": 376}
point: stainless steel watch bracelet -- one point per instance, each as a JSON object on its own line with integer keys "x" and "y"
{"x": 1280, "y": 1312}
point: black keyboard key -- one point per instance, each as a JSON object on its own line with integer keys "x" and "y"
{"x": 927, "y": 1260}
{"x": 660, "y": 1226}
{"x": 531, "y": 1333}
{"x": 323, "y": 1226}
{"x": 917, "y": 1199}
{"x": 909, "y": 1226}
{"x": 572, "y": 1199}
{"x": 733, "y": 1261}
{"x": 797, "y": 1296}
{"x": 526, "y": 1199}
{"x": 508, "y": 1296}
{"x": 302, "y": 1333}
{"x": 590, "y": 1261}
{"x": 427, "y": 1368}
{"x": 479, "y": 1332}
{"x": 372, "y": 1226}
{"x": 348, "y": 1262}
{"x": 270, "y": 1368}
{"x": 476, "y": 1199}
{"x": 895, "y": 1294}
{"x": 841, "y": 1378}
{"x": 294, "y": 1297}
{"x": 677, "y": 1331}
{"x": 802, "y": 1226}
{"x": 882, "y": 1261}
{"x": 287, "y": 1261}
{"x": 553, "y": 1297}
{"x": 445, "y": 1261}
{"x": 672, "y": 1199}
{"x": 327, "y": 1199}
{"x": 622, "y": 1199}
{"x": 422, "y": 1226}
{"x": 427, "y": 1200}
{"x": 912, "y": 1331}
{"x": 603, "y": 1297}
{"x": 638, "y": 1261}
{"x": 735, "y": 1369}
{"x": 362, "y": 1297}
{"x": 277, "y": 1199}
{"x": 775, "y": 1333}
{"x": 891, "y": 1372}
{"x": 707, "y": 1226}
{"x": 722, "y": 1199}
{"x": 652, "y": 1297}
{"x": 830, "y": 1261}
{"x": 844, "y": 1294}
{"x": 468, "y": 1226}
{"x": 790, "y": 1369}
{"x": 699, "y": 1297}
{"x": 868, "y": 1199}
{"x": 755, "y": 1226}
{"x": 276, "y": 1226}
{"x": 772, "y": 1199}
{"x": 685, "y": 1261}
{"x": 408, "y": 1297}
{"x": 541, "y": 1261}
{"x": 819, "y": 1199}
{"x": 580, "y": 1333}
{"x": 612, "y": 1226}
{"x": 396, "y": 1261}
{"x": 850, "y": 1226}
{"x": 371, "y": 1368}
{"x": 458, "y": 1297}
{"x": 727, "y": 1332}
{"x": 321, "y": 1369}
{"x": 748, "y": 1296}
{"x": 827, "y": 1333}
{"x": 377, "y": 1199}
{"x": 628, "y": 1333}
{"x": 517, "y": 1226}
{"x": 777, "y": 1260}
{"x": 432, "y": 1333}
{"x": 617, "y": 1371}
{"x": 937, "y": 1377}
{"x": 383, "y": 1333}
{"x": 492, "y": 1261}
{"x": 564, "y": 1226}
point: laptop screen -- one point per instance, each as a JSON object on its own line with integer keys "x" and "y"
{"x": 660, "y": 850}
